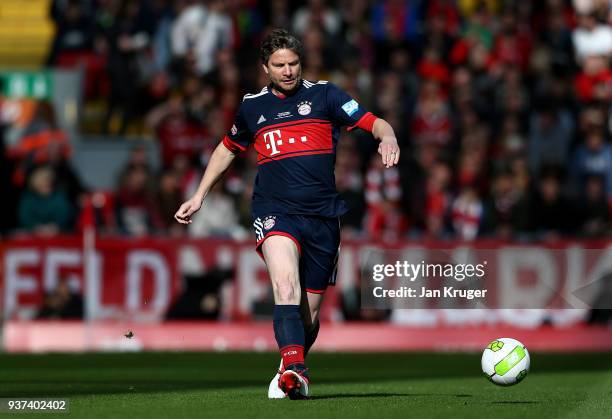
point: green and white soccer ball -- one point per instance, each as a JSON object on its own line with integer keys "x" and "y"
{"x": 505, "y": 361}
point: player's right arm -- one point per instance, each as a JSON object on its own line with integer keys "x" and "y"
{"x": 236, "y": 140}
{"x": 220, "y": 160}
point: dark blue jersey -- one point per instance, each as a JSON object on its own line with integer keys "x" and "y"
{"x": 295, "y": 138}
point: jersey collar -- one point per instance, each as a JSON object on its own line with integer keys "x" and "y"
{"x": 283, "y": 96}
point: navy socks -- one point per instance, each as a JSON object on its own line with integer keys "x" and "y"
{"x": 289, "y": 333}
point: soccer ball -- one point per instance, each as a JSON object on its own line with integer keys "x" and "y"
{"x": 505, "y": 361}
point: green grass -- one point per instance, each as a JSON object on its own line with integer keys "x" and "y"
{"x": 228, "y": 385}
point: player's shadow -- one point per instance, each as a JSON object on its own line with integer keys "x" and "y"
{"x": 515, "y": 402}
{"x": 357, "y": 395}
{"x": 378, "y": 395}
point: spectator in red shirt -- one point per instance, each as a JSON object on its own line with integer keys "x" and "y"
{"x": 437, "y": 199}
{"x": 136, "y": 210}
{"x": 467, "y": 213}
{"x": 432, "y": 124}
{"x": 594, "y": 83}
{"x": 383, "y": 194}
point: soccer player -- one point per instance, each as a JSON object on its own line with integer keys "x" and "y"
{"x": 294, "y": 125}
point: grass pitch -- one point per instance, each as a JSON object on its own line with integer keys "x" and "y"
{"x": 234, "y": 385}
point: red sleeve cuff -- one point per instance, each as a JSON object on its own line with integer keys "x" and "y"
{"x": 366, "y": 122}
{"x": 232, "y": 146}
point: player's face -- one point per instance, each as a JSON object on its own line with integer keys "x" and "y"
{"x": 284, "y": 70}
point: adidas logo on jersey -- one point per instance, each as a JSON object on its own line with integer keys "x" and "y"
{"x": 261, "y": 119}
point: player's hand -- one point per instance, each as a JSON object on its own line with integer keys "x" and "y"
{"x": 187, "y": 209}
{"x": 389, "y": 151}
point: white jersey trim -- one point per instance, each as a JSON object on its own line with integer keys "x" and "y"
{"x": 309, "y": 84}
{"x": 251, "y": 96}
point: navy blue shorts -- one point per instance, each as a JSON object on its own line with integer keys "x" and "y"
{"x": 318, "y": 243}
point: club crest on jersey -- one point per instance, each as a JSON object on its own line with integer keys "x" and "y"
{"x": 304, "y": 108}
{"x": 350, "y": 107}
{"x": 234, "y": 130}
{"x": 269, "y": 222}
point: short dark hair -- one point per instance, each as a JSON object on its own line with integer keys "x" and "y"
{"x": 280, "y": 39}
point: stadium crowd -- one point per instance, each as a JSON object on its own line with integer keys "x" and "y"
{"x": 502, "y": 109}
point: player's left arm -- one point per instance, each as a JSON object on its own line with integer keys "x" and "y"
{"x": 388, "y": 148}
{"x": 344, "y": 110}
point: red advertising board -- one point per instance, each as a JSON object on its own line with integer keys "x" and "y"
{"x": 138, "y": 279}
{"x": 119, "y": 277}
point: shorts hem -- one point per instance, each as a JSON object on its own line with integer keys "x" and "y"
{"x": 277, "y": 233}
{"x": 313, "y": 291}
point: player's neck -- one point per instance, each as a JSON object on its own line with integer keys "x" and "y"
{"x": 278, "y": 94}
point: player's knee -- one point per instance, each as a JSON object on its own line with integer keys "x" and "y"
{"x": 287, "y": 295}
{"x": 287, "y": 291}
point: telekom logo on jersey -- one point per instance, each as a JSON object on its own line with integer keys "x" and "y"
{"x": 274, "y": 140}
{"x": 293, "y": 139}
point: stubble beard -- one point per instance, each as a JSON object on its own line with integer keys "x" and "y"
{"x": 281, "y": 89}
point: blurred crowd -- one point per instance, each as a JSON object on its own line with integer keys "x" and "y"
{"x": 502, "y": 110}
